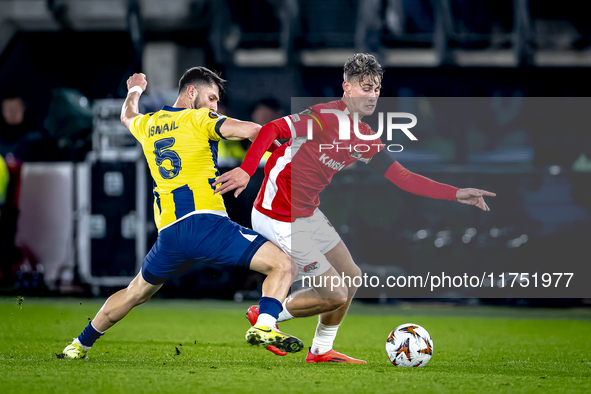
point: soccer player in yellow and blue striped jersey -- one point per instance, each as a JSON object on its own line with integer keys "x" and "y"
{"x": 181, "y": 148}
{"x": 180, "y": 145}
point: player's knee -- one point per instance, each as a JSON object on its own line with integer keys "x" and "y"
{"x": 356, "y": 284}
{"x": 282, "y": 265}
{"x": 350, "y": 276}
{"x": 355, "y": 273}
{"x": 110, "y": 315}
{"x": 342, "y": 294}
{"x": 141, "y": 299}
{"x": 338, "y": 296}
{"x": 137, "y": 297}
{"x": 294, "y": 270}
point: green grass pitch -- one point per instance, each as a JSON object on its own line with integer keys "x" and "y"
{"x": 185, "y": 346}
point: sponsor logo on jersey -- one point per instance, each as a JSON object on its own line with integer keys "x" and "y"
{"x": 165, "y": 116}
{"x": 306, "y": 112}
{"x": 213, "y": 115}
{"x": 358, "y": 156}
{"x": 311, "y": 267}
{"x": 330, "y": 163}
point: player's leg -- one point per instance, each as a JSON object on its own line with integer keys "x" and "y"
{"x": 271, "y": 261}
{"x": 311, "y": 239}
{"x": 162, "y": 262}
{"x": 114, "y": 309}
{"x": 330, "y": 304}
{"x": 309, "y": 261}
{"x": 325, "y": 295}
{"x": 340, "y": 258}
{"x": 329, "y": 322}
{"x": 328, "y": 292}
{"x": 121, "y": 303}
{"x": 336, "y": 253}
{"x": 296, "y": 240}
{"x": 328, "y": 296}
{"x": 231, "y": 244}
{"x": 260, "y": 263}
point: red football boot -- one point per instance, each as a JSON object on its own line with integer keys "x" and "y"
{"x": 332, "y": 356}
{"x": 252, "y": 314}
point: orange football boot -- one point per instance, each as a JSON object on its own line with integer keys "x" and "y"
{"x": 252, "y": 314}
{"x": 332, "y": 356}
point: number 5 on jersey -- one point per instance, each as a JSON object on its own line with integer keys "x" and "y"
{"x": 163, "y": 153}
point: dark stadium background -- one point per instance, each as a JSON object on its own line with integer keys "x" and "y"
{"x": 271, "y": 49}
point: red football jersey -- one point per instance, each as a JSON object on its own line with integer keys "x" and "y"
{"x": 300, "y": 169}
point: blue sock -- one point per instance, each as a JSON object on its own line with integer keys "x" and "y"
{"x": 270, "y": 306}
{"x": 89, "y": 335}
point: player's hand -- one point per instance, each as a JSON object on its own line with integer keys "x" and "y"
{"x": 474, "y": 197}
{"x": 137, "y": 80}
{"x": 236, "y": 179}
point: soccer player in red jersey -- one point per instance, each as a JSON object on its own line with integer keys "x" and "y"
{"x": 286, "y": 209}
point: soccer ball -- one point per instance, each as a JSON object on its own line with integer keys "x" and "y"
{"x": 409, "y": 345}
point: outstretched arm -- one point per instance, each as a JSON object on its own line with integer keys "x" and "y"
{"x": 384, "y": 165}
{"x": 234, "y": 130}
{"x": 239, "y": 177}
{"x": 130, "y": 107}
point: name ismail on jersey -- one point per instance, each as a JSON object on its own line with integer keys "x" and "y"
{"x": 156, "y": 130}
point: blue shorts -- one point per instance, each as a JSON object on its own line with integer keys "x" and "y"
{"x": 200, "y": 238}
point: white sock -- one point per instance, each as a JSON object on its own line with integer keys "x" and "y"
{"x": 284, "y": 315}
{"x": 87, "y": 348}
{"x": 324, "y": 338}
{"x": 266, "y": 320}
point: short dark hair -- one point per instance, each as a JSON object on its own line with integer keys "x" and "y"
{"x": 362, "y": 65}
{"x": 200, "y": 76}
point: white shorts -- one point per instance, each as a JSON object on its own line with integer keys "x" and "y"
{"x": 306, "y": 240}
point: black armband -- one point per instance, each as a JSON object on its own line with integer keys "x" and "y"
{"x": 381, "y": 162}
{"x": 218, "y": 126}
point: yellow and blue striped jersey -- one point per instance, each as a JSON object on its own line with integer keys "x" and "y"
{"x": 181, "y": 147}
